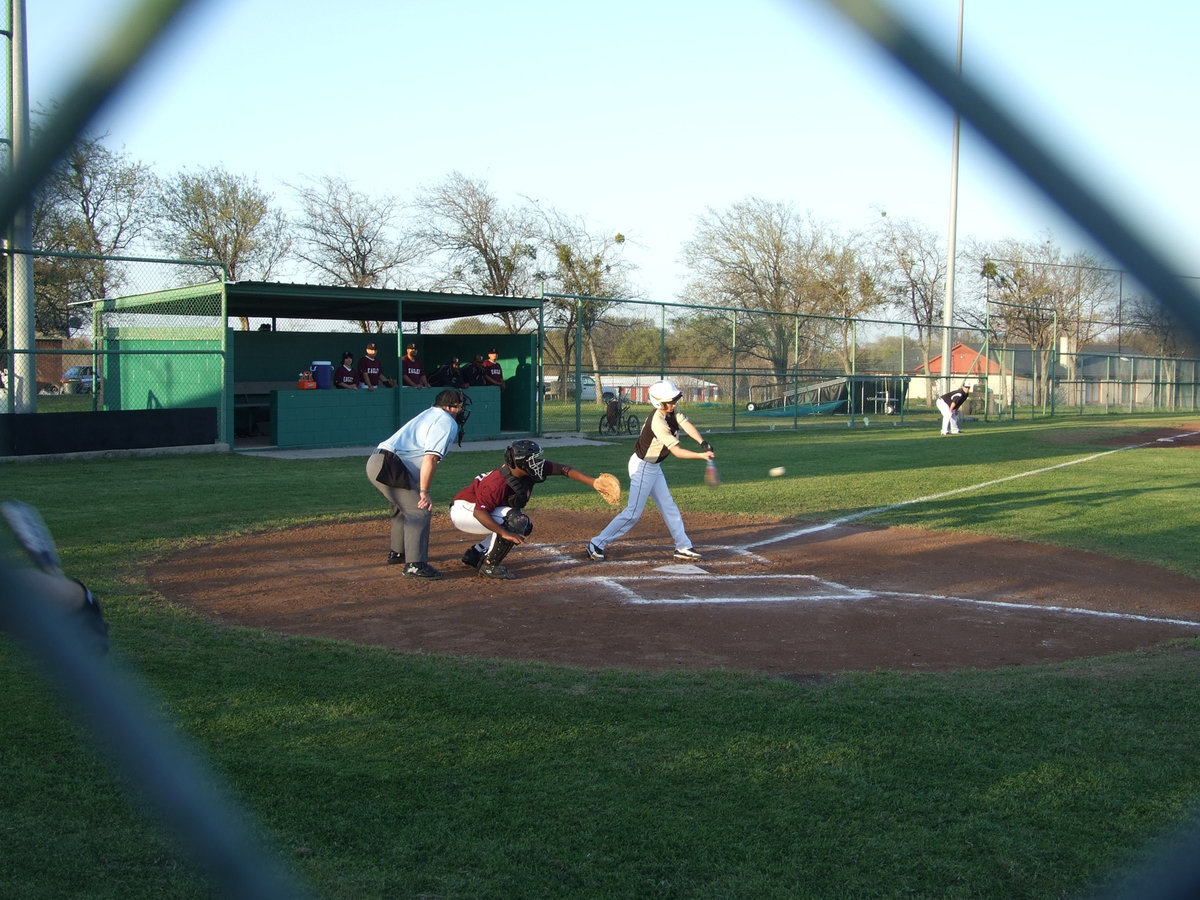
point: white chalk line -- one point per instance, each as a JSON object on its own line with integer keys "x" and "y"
{"x": 832, "y": 592}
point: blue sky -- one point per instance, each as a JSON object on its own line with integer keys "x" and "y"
{"x": 639, "y": 116}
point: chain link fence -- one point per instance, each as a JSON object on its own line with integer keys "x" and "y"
{"x": 112, "y": 334}
{"x": 767, "y": 370}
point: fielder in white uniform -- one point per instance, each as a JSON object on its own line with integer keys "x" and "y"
{"x": 658, "y": 440}
{"x": 948, "y": 405}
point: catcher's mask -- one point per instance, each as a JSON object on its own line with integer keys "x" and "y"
{"x": 526, "y": 455}
{"x": 663, "y": 392}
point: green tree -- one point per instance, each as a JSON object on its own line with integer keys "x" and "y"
{"x": 97, "y": 203}
{"x": 216, "y": 216}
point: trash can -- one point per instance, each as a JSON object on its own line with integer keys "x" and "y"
{"x": 323, "y": 374}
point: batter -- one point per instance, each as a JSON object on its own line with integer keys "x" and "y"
{"x": 658, "y": 440}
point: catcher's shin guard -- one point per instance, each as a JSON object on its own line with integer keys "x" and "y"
{"x": 515, "y": 521}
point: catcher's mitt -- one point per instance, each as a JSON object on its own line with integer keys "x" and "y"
{"x": 609, "y": 488}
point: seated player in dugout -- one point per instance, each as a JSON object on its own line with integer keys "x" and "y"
{"x": 473, "y": 372}
{"x": 493, "y": 505}
{"x": 449, "y": 375}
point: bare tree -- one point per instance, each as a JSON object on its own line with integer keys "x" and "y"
{"x": 226, "y": 218}
{"x": 590, "y": 267}
{"x": 761, "y": 257}
{"x": 1155, "y": 331}
{"x": 1036, "y": 295}
{"x": 913, "y": 275}
{"x": 351, "y": 239}
{"x": 489, "y": 248}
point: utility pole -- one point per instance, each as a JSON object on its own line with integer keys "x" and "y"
{"x": 22, "y": 334}
{"x": 951, "y": 252}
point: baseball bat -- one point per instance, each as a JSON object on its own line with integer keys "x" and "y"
{"x": 711, "y": 478}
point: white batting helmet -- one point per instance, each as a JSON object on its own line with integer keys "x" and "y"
{"x": 663, "y": 392}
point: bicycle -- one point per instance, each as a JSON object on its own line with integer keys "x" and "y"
{"x": 617, "y": 419}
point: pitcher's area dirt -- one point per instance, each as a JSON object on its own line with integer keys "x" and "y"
{"x": 767, "y": 597}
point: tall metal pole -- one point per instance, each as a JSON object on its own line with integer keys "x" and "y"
{"x": 951, "y": 252}
{"x": 23, "y": 340}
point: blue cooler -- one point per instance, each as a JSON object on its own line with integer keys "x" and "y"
{"x": 323, "y": 374}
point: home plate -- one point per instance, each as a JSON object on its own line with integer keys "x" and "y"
{"x": 682, "y": 569}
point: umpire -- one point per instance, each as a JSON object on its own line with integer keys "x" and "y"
{"x": 402, "y": 469}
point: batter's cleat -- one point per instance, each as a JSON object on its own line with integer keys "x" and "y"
{"x": 473, "y": 557}
{"x": 495, "y": 570}
{"x": 421, "y": 570}
{"x": 689, "y": 554}
{"x": 595, "y": 552}
{"x": 395, "y": 559}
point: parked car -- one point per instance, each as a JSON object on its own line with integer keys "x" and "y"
{"x": 78, "y": 380}
{"x": 589, "y": 389}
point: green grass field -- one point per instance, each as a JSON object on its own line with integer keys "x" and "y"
{"x": 378, "y": 774}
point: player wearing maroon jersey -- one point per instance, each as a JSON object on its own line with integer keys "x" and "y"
{"x": 493, "y": 505}
{"x": 492, "y": 373}
{"x": 345, "y": 376}
{"x": 412, "y": 370}
{"x": 370, "y": 375}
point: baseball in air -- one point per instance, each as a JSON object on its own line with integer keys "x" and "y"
{"x": 777, "y": 471}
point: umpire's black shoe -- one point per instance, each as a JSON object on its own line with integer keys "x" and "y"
{"x": 421, "y": 570}
{"x": 395, "y": 558}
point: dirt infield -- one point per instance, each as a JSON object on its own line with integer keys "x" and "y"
{"x": 768, "y": 597}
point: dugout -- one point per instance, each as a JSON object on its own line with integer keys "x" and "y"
{"x": 175, "y": 349}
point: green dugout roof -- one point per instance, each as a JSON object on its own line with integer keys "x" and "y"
{"x": 267, "y": 299}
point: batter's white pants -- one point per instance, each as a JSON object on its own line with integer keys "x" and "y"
{"x": 462, "y": 514}
{"x": 646, "y": 482}
{"x": 949, "y": 417}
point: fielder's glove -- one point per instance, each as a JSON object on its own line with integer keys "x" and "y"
{"x": 706, "y": 447}
{"x": 608, "y": 487}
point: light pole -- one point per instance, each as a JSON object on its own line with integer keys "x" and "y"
{"x": 951, "y": 252}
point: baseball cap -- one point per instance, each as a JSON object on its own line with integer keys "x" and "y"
{"x": 371, "y": 346}
{"x": 494, "y": 350}
{"x": 411, "y": 347}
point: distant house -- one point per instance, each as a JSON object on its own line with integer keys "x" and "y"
{"x": 637, "y": 387}
{"x": 1011, "y": 373}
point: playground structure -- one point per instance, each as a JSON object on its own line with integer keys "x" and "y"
{"x": 848, "y": 394}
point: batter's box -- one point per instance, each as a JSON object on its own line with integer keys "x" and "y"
{"x": 653, "y": 590}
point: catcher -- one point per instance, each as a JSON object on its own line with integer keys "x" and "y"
{"x": 493, "y": 504}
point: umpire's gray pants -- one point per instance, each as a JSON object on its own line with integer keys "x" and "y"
{"x": 410, "y": 523}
